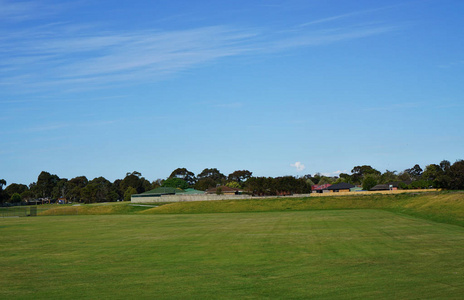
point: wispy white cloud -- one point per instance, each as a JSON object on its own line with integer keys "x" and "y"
{"x": 330, "y": 19}
{"x": 57, "y": 126}
{"x": 349, "y": 15}
{"x": 103, "y": 57}
{"x": 82, "y": 56}
{"x": 18, "y": 11}
{"x": 335, "y": 173}
{"x": 299, "y": 166}
{"x": 328, "y": 36}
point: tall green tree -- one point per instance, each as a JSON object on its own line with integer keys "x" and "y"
{"x": 258, "y": 185}
{"x": 175, "y": 183}
{"x": 358, "y": 173}
{"x": 414, "y": 172}
{"x": 210, "y": 178}
{"x": 326, "y": 180}
{"x": 60, "y": 189}
{"x": 128, "y": 193}
{"x": 239, "y": 176}
{"x": 2, "y": 184}
{"x": 345, "y": 178}
{"x": 445, "y": 165}
{"x": 156, "y": 183}
{"x": 27, "y": 195}
{"x": 316, "y": 178}
{"x": 45, "y": 184}
{"x": 369, "y": 181}
{"x": 433, "y": 173}
{"x": 15, "y": 188}
{"x": 98, "y": 190}
{"x": 74, "y": 188}
{"x": 185, "y": 175}
{"x": 284, "y": 185}
{"x": 404, "y": 176}
{"x": 136, "y": 181}
{"x": 205, "y": 183}
{"x": 15, "y": 198}
{"x": 444, "y": 180}
{"x": 388, "y": 176}
{"x": 456, "y": 175}
{"x": 212, "y": 173}
{"x": 117, "y": 188}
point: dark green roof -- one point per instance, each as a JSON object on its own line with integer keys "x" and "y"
{"x": 164, "y": 190}
{"x": 191, "y": 191}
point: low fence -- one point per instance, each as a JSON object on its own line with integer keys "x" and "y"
{"x": 185, "y": 198}
{"x": 205, "y": 197}
{"x": 372, "y": 192}
{"x": 18, "y": 211}
{"x": 201, "y": 197}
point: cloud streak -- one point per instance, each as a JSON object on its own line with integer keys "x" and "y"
{"x": 336, "y": 173}
{"x": 20, "y": 11}
{"x": 113, "y": 57}
{"x": 17, "y": 11}
{"x": 348, "y": 15}
{"x": 79, "y": 56}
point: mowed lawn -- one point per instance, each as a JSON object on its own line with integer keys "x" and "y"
{"x": 345, "y": 254}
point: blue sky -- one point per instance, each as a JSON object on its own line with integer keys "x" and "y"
{"x": 101, "y": 88}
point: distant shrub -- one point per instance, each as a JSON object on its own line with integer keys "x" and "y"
{"x": 369, "y": 182}
{"x": 128, "y": 193}
{"x": 15, "y": 198}
{"x": 233, "y": 184}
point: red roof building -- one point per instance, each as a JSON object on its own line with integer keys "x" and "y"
{"x": 318, "y": 188}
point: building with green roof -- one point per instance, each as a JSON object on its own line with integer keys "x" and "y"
{"x": 163, "y": 191}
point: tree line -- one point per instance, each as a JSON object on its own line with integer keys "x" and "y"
{"x": 82, "y": 190}
{"x": 443, "y": 175}
{"x": 79, "y": 189}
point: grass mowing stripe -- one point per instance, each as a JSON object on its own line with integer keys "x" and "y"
{"x": 293, "y": 255}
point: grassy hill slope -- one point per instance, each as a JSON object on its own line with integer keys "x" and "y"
{"x": 445, "y": 207}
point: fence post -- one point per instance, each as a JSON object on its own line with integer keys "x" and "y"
{"x": 33, "y": 211}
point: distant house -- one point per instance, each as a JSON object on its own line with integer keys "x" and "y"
{"x": 62, "y": 200}
{"x": 340, "y": 187}
{"x": 382, "y": 187}
{"x": 164, "y": 191}
{"x": 225, "y": 190}
{"x": 321, "y": 188}
{"x": 391, "y": 186}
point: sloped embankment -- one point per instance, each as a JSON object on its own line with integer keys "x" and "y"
{"x": 96, "y": 209}
{"x": 446, "y": 207}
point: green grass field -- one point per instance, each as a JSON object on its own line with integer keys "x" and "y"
{"x": 322, "y": 254}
